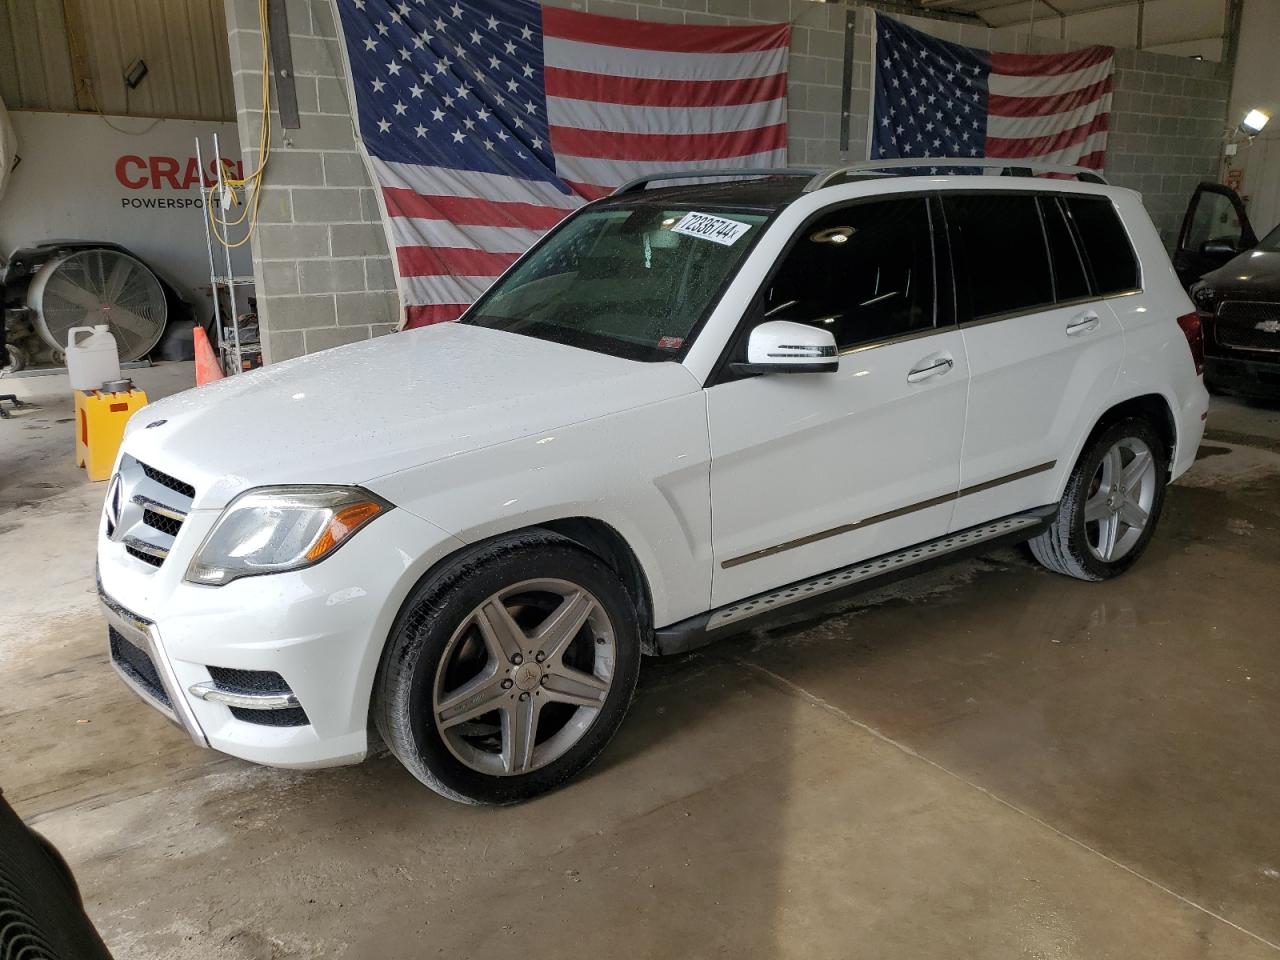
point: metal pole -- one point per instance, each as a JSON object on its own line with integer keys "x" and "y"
{"x": 208, "y": 243}
{"x": 230, "y": 277}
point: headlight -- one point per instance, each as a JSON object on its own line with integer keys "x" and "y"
{"x": 1202, "y": 295}
{"x": 274, "y": 529}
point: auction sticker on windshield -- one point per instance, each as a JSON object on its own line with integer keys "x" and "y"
{"x": 707, "y": 227}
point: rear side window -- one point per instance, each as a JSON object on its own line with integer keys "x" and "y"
{"x": 998, "y": 246}
{"x": 1106, "y": 245}
{"x": 1070, "y": 282}
{"x": 864, "y": 272}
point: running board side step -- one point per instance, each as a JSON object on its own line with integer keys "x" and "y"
{"x": 825, "y": 588}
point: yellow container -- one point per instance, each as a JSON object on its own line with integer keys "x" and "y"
{"x": 100, "y": 420}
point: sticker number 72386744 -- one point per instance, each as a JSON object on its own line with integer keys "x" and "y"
{"x": 706, "y": 227}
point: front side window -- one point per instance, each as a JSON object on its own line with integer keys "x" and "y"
{"x": 1106, "y": 245}
{"x": 631, "y": 281}
{"x": 865, "y": 272}
{"x": 998, "y": 246}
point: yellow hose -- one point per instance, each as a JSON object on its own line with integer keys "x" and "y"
{"x": 252, "y": 183}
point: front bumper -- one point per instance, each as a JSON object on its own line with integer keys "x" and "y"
{"x": 1255, "y": 378}
{"x": 320, "y": 631}
{"x": 157, "y": 686}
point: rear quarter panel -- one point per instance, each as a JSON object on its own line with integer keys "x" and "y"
{"x": 1157, "y": 359}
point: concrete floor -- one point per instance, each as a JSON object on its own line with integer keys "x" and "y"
{"x": 987, "y": 761}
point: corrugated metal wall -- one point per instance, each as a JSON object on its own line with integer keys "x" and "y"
{"x": 184, "y": 43}
{"x": 35, "y": 65}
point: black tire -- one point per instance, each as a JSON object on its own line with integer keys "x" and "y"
{"x": 403, "y": 708}
{"x": 1063, "y": 547}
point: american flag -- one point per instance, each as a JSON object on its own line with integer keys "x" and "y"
{"x": 487, "y": 121}
{"x": 940, "y": 99}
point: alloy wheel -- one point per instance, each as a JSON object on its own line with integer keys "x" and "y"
{"x": 524, "y": 676}
{"x": 1121, "y": 495}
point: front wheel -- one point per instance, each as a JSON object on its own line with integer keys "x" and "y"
{"x": 1111, "y": 504}
{"x": 509, "y": 670}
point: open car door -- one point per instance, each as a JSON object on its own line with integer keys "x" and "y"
{"x": 1214, "y": 230}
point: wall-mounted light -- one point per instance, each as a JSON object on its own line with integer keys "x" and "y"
{"x": 133, "y": 76}
{"x": 1253, "y": 122}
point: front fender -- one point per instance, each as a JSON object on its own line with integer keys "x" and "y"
{"x": 644, "y": 471}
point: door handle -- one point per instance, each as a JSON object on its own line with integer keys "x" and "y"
{"x": 1082, "y": 324}
{"x": 932, "y": 368}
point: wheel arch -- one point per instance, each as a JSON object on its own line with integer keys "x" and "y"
{"x": 609, "y": 545}
{"x": 590, "y": 533}
{"x": 1155, "y": 408}
{"x": 1152, "y": 407}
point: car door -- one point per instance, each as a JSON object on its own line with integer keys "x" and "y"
{"x": 814, "y": 471}
{"x": 1041, "y": 345}
{"x": 1215, "y": 229}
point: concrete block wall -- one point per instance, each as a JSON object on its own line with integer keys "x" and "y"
{"x": 1167, "y": 115}
{"x": 320, "y": 261}
{"x": 320, "y": 257}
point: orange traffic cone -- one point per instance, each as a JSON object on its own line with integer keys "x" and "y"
{"x": 207, "y": 368}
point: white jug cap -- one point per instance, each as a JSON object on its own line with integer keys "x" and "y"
{"x": 101, "y": 328}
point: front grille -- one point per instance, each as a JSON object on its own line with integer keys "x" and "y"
{"x": 146, "y": 510}
{"x": 136, "y": 663}
{"x": 163, "y": 524}
{"x": 173, "y": 483}
{"x": 144, "y": 557}
{"x": 1247, "y": 338}
{"x": 292, "y": 717}
{"x": 1250, "y": 325}
{"x": 1248, "y": 310}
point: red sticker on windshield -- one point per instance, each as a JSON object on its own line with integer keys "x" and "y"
{"x": 670, "y": 343}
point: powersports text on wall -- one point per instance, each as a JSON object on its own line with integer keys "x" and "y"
{"x": 167, "y": 173}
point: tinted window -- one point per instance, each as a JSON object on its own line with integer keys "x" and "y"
{"x": 999, "y": 250}
{"x": 864, "y": 272}
{"x": 1106, "y": 245}
{"x": 1069, "y": 279}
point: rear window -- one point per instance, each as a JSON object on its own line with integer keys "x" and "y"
{"x": 999, "y": 250}
{"x": 1106, "y": 245}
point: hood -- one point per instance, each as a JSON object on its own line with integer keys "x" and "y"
{"x": 1254, "y": 275}
{"x": 354, "y": 413}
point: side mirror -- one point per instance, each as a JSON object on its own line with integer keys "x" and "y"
{"x": 1218, "y": 248}
{"x": 781, "y": 346}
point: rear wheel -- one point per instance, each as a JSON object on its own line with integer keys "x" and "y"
{"x": 509, "y": 670}
{"x": 1111, "y": 504}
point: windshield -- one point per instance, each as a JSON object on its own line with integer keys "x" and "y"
{"x": 1271, "y": 242}
{"x": 633, "y": 282}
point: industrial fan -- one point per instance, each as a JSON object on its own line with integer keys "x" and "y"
{"x": 98, "y": 285}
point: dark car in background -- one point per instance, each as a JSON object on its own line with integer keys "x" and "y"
{"x": 1234, "y": 281}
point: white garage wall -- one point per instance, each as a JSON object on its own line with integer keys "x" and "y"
{"x": 1257, "y": 84}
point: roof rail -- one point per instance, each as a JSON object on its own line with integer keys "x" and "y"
{"x": 1007, "y": 168}
{"x": 639, "y": 183}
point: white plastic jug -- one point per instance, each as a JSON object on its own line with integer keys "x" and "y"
{"x": 93, "y": 359}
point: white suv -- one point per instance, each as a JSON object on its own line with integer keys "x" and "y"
{"x": 686, "y": 409}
